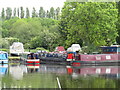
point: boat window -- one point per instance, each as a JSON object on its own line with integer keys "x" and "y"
{"x": 110, "y": 50}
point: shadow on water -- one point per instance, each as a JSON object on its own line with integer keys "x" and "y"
{"x": 59, "y": 76}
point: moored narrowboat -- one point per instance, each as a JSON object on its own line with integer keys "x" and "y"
{"x": 110, "y": 55}
{"x": 30, "y": 58}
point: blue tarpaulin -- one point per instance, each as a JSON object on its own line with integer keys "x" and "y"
{"x": 3, "y": 56}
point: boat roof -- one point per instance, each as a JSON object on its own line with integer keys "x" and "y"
{"x": 60, "y": 48}
{"x": 111, "y": 46}
{"x": 3, "y": 52}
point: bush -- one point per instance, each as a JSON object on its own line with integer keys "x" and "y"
{"x": 6, "y": 50}
{"x": 41, "y": 48}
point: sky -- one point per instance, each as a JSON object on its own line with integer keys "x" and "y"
{"x": 46, "y": 4}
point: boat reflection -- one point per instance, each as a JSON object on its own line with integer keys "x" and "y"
{"x": 105, "y": 71}
{"x": 44, "y": 76}
{"x": 31, "y": 68}
{"x": 58, "y": 69}
{"x": 17, "y": 71}
{"x": 3, "y": 69}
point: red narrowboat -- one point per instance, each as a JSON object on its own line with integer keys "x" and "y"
{"x": 30, "y": 58}
{"x": 109, "y": 55}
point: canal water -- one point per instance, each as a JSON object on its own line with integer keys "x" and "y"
{"x": 58, "y": 76}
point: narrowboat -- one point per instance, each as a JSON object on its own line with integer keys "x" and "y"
{"x": 30, "y": 58}
{"x": 110, "y": 55}
{"x": 3, "y": 57}
{"x": 52, "y": 58}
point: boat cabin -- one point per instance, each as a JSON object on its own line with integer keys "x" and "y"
{"x": 114, "y": 49}
{"x": 3, "y": 57}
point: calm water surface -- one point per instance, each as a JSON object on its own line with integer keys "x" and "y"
{"x": 59, "y": 76}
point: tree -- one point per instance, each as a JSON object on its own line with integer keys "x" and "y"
{"x": 46, "y": 39}
{"x": 34, "y": 13}
{"x": 41, "y": 12}
{"x": 3, "y": 14}
{"x": 118, "y": 23}
{"x": 8, "y": 13}
{"x": 57, "y": 13}
{"x": 14, "y": 12}
{"x": 25, "y": 29}
{"x": 22, "y": 12}
{"x": 18, "y": 12}
{"x": 27, "y": 13}
{"x": 7, "y": 25}
{"x": 52, "y": 13}
{"x": 92, "y": 23}
{"x": 48, "y": 14}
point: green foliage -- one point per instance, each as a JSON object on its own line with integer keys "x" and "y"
{"x": 34, "y": 13}
{"x": 14, "y": 12}
{"x": 3, "y": 14}
{"x": 18, "y": 12}
{"x": 41, "y": 12}
{"x": 27, "y": 13}
{"x": 41, "y": 48}
{"x": 52, "y": 13}
{"x": 10, "y": 40}
{"x": 32, "y": 32}
{"x": 57, "y": 13}
{"x": 118, "y": 23}
{"x": 92, "y": 23}
{"x": 8, "y": 13}
{"x": 4, "y": 43}
{"x": 6, "y": 50}
{"x": 22, "y": 12}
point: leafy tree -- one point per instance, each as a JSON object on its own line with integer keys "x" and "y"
{"x": 27, "y": 13}
{"x": 3, "y": 14}
{"x": 34, "y": 13}
{"x": 24, "y": 30}
{"x": 6, "y": 26}
{"x": 52, "y": 13}
{"x": 57, "y": 13}
{"x": 22, "y": 12}
{"x": 8, "y": 13}
{"x": 48, "y": 14}
{"x": 41, "y": 12}
{"x": 46, "y": 39}
{"x": 118, "y": 23}
{"x": 92, "y": 23}
{"x": 18, "y": 12}
{"x": 14, "y": 12}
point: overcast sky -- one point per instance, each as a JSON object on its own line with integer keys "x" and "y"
{"x": 31, "y": 3}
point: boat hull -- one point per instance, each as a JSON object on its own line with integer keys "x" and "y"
{"x": 96, "y": 59}
{"x": 52, "y": 60}
{"x": 32, "y": 61}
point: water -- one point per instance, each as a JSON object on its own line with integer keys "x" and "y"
{"x": 59, "y": 76}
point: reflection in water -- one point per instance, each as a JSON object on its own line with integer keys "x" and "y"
{"x": 31, "y": 68}
{"x": 98, "y": 70}
{"x": 3, "y": 69}
{"x": 44, "y": 76}
{"x": 17, "y": 71}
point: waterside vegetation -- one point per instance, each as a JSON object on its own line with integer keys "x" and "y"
{"x": 90, "y": 24}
